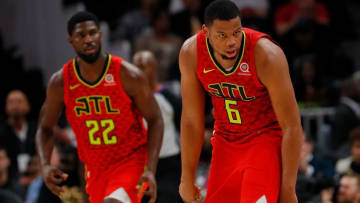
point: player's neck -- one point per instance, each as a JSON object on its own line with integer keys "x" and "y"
{"x": 91, "y": 71}
{"x": 98, "y": 64}
{"x": 225, "y": 63}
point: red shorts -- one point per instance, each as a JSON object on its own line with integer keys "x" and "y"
{"x": 245, "y": 173}
{"x": 123, "y": 175}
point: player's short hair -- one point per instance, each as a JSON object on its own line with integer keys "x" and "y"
{"x": 80, "y": 17}
{"x": 221, "y": 10}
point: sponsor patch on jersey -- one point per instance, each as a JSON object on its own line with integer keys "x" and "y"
{"x": 109, "y": 80}
{"x": 244, "y": 69}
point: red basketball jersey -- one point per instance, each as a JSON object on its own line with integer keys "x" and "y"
{"x": 242, "y": 106}
{"x": 107, "y": 125}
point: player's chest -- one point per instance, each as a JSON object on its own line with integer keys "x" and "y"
{"x": 237, "y": 84}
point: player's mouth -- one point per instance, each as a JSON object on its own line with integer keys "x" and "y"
{"x": 90, "y": 50}
{"x": 231, "y": 53}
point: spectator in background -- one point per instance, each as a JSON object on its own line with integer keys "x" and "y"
{"x": 31, "y": 172}
{"x": 349, "y": 189}
{"x": 253, "y": 7}
{"x": 307, "y": 81}
{"x": 254, "y": 14}
{"x": 351, "y": 163}
{"x": 323, "y": 191}
{"x": 312, "y": 170}
{"x": 298, "y": 11}
{"x": 160, "y": 41}
{"x": 31, "y": 179}
{"x": 188, "y": 21}
{"x": 135, "y": 22}
{"x": 169, "y": 166}
{"x": 312, "y": 165}
{"x": 347, "y": 116}
{"x": 18, "y": 133}
{"x": 7, "y": 182}
{"x": 299, "y": 33}
{"x": 66, "y": 159}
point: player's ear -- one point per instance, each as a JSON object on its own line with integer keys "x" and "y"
{"x": 205, "y": 30}
{"x": 100, "y": 33}
{"x": 70, "y": 40}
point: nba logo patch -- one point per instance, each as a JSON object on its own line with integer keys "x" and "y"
{"x": 109, "y": 80}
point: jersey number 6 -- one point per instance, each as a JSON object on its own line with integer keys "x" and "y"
{"x": 233, "y": 114}
{"x": 108, "y": 126}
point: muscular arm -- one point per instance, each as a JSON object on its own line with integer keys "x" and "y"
{"x": 192, "y": 116}
{"x": 137, "y": 87}
{"x": 49, "y": 115}
{"x": 272, "y": 69}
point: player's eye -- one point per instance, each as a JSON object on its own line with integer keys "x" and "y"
{"x": 93, "y": 32}
{"x": 221, "y": 35}
{"x": 236, "y": 33}
{"x": 82, "y": 35}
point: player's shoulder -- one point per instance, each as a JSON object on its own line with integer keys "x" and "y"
{"x": 266, "y": 49}
{"x": 131, "y": 71}
{"x": 57, "y": 79}
{"x": 189, "y": 46}
{"x": 132, "y": 78}
{"x": 188, "y": 52}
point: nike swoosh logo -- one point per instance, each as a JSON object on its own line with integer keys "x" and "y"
{"x": 74, "y": 86}
{"x": 208, "y": 71}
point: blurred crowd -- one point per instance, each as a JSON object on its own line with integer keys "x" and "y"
{"x": 321, "y": 39}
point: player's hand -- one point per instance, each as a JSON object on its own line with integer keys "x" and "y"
{"x": 287, "y": 194}
{"x": 148, "y": 178}
{"x": 53, "y": 177}
{"x": 190, "y": 193}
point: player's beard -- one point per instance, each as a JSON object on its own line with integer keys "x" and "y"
{"x": 90, "y": 58}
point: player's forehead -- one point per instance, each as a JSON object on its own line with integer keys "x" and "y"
{"x": 226, "y": 25}
{"x": 85, "y": 26}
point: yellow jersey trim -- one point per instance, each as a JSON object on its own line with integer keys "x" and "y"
{"x": 99, "y": 80}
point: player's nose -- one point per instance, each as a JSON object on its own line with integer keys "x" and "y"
{"x": 231, "y": 42}
{"x": 88, "y": 39}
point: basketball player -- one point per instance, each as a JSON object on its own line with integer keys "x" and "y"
{"x": 105, "y": 99}
{"x": 257, "y": 131}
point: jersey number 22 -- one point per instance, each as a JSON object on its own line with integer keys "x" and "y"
{"x": 107, "y": 125}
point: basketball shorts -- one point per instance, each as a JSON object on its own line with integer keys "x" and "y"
{"x": 118, "y": 182}
{"x": 245, "y": 173}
